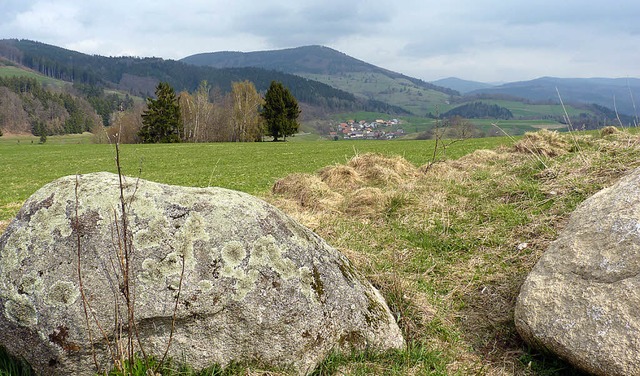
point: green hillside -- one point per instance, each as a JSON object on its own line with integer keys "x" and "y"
{"x": 340, "y": 71}
{"x": 139, "y": 76}
{"x": 8, "y": 69}
{"x": 397, "y": 91}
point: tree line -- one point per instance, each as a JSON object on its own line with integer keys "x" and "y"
{"x": 207, "y": 115}
{"x": 26, "y": 106}
{"x": 479, "y": 110}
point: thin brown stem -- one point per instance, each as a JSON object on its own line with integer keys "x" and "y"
{"x": 173, "y": 318}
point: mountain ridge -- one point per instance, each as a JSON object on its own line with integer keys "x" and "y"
{"x": 297, "y": 60}
{"x": 139, "y": 76}
{"x": 338, "y": 70}
{"x": 463, "y": 86}
{"x": 614, "y": 93}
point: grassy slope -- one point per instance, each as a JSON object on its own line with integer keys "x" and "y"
{"x": 377, "y": 86}
{"x": 448, "y": 246}
{"x": 14, "y": 71}
{"x": 524, "y": 110}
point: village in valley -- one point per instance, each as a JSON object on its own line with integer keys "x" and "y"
{"x": 378, "y": 129}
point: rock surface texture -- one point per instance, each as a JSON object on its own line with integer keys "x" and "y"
{"x": 582, "y": 299}
{"x": 250, "y": 283}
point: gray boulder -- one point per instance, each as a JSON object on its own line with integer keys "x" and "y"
{"x": 582, "y": 299}
{"x": 251, "y": 284}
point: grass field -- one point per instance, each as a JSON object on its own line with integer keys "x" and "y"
{"x": 448, "y": 246}
{"x": 249, "y": 167}
{"x": 13, "y": 71}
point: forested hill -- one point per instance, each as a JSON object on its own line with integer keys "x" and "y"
{"x": 316, "y": 60}
{"x": 613, "y": 93}
{"x": 139, "y": 76}
{"x": 340, "y": 71}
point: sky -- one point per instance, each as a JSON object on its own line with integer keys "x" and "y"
{"x": 481, "y": 40}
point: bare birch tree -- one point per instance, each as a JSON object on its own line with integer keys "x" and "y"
{"x": 247, "y": 123}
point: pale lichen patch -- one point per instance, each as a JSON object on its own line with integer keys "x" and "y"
{"x": 150, "y": 236}
{"x": 16, "y": 245}
{"x": 192, "y": 231}
{"x": 154, "y": 271}
{"x": 306, "y": 280}
{"x": 267, "y": 253}
{"x": 21, "y": 311}
{"x": 52, "y": 218}
{"x": 233, "y": 253}
{"x": 205, "y": 285}
{"x": 245, "y": 285}
{"x": 62, "y": 293}
{"x": 30, "y": 284}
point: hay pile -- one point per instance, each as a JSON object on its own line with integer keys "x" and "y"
{"x": 308, "y": 191}
{"x": 606, "y": 131}
{"x": 378, "y": 169}
{"x": 341, "y": 177}
{"x": 543, "y": 143}
{"x": 366, "y": 201}
{"x": 361, "y": 187}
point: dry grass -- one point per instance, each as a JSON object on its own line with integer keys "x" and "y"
{"x": 341, "y": 177}
{"x": 308, "y": 191}
{"x": 606, "y": 131}
{"x": 3, "y": 225}
{"x": 545, "y": 143}
{"x": 449, "y": 246}
{"x": 379, "y": 169}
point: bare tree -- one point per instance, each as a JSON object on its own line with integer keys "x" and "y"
{"x": 247, "y": 123}
{"x": 196, "y": 113}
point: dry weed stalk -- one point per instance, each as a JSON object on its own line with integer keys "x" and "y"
{"x": 571, "y": 129}
{"x": 122, "y": 349}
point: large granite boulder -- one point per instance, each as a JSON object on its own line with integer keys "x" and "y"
{"x": 256, "y": 285}
{"x": 582, "y": 299}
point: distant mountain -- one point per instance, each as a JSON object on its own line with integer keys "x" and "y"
{"x": 620, "y": 93}
{"x": 338, "y": 70}
{"x": 308, "y": 59}
{"x": 463, "y": 86}
{"x": 139, "y": 76}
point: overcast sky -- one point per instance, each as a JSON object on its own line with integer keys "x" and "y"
{"x": 482, "y": 40}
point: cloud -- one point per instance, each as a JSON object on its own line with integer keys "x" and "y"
{"x": 312, "y": 22}
{"x": 482, "y": 39}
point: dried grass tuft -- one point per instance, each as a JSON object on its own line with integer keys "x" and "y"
{"x": 607, "y": 131}
{"x": 367, "y": 201}
{"x": 308, "y": 191}
{"x": 341, "y": 177}
{"x": 3, "y": 226}
{"x": 379, "y": 169}
{"x": 543, "y": 143}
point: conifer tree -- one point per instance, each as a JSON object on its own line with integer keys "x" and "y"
{"x": 161, "y": 121}
{"x": 280, "y": 112}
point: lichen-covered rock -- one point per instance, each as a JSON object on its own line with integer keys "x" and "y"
{"x": 250, "y": 283}
{"x": 582, "y": 299}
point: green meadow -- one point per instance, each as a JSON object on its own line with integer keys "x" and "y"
{"x": 26, "y": 165}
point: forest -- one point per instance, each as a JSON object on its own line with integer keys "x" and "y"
{"x": 26, "y": 106}
{"x": 139, "y": 76}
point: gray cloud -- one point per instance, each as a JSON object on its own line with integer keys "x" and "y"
{"x": 483, "y": 40}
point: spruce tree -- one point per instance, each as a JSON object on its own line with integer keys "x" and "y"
{"x": 280, "y": 112}
{"x": 161, "y": 122}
